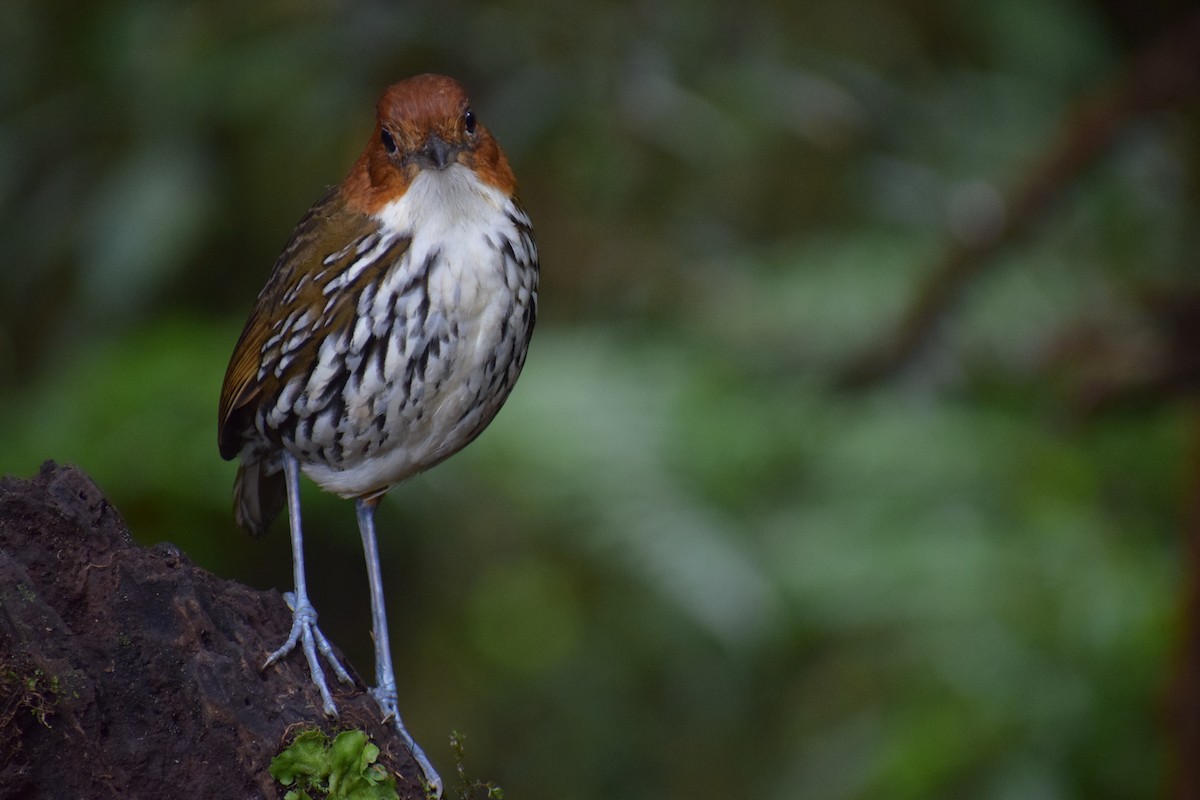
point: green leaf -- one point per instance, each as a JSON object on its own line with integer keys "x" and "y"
{"x": 343, "y": 769}
{"x": 346, "y": 761}
{"x": 307, "y": 757}
{"x": 352, "y": 776}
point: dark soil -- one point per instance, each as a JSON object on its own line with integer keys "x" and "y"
{"x": 129, "y": 672}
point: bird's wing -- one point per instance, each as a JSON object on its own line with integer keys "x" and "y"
{"x": 296, "y": 283}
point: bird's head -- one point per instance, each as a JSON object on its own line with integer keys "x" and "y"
{"x": 424, "y": 123}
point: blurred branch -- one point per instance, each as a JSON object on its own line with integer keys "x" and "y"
{"x": 1165, "y": 74}
{"x": 1105, "y": 366}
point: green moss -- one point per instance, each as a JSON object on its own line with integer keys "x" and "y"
{"x": 343, "y": 769}
{"x": 26, "y": 690}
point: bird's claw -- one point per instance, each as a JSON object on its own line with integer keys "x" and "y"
{"x": 306, "y": 633}
{"x": 385, "y": 697}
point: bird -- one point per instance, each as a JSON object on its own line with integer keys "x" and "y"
{"x": 389, "y": 333}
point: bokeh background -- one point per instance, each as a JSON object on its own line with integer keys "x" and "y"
{"x": 712, "y": 547}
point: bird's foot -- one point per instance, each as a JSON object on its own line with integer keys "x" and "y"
{"x": 306, "y": 633}
{"x": 385, "y": 696}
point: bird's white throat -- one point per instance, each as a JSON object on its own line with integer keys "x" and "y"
{"x": 448, "y": 201}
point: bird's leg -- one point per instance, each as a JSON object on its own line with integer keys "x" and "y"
{"x": 385, "y": 679}
{"x": 304, "y": 616}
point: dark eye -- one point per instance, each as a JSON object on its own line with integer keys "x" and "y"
{"x": 389, "y": 143}
{"x": 469, "y": 121}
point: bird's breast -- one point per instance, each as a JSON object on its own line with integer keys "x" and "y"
{"x": 421, "y": 352}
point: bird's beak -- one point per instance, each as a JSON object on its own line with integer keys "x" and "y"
{"x": 436, "y": 153}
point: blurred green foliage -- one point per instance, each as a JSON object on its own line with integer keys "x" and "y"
{"x": 680, "y": 564}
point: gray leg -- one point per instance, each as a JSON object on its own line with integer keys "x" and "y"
{"x": 385, "y": 679}
{"x": 304, "y": 616}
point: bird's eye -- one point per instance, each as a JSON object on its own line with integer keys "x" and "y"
{"x": 469, "y": 121}
{"x": 389, "y": 143}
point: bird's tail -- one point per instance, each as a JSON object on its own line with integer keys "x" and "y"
{"x": 258, "y": 493}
